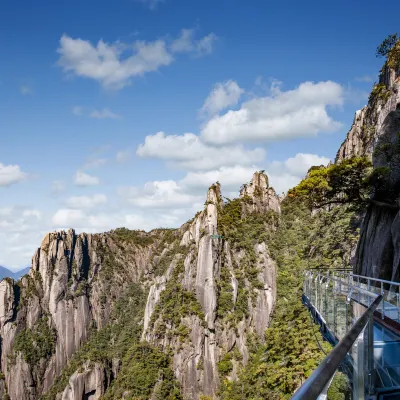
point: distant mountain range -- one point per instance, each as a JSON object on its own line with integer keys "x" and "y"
{"x": 6, "y": 273}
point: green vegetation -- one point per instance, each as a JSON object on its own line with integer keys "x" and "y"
{"x": 242, "y": 233}
{"x": 36, "y": 343}
{"x": 340, "y": 387}
{"x": 175, "y": 303}
{"x": 343, "y": 183}
{"x": 225, "y": 366}
{"x": 120, "y": 340}
{"x": 379, "y": 92}
{"x": 146, "y": 370}
{"x": 161, "y": 266}
{"x": 390, "y": 49}
{"x": 139, "y": 238}
{"x": 291, "y": 352}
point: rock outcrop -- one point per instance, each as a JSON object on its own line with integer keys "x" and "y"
{"x": 46, "y": 317}
{"x": 258, "y": 196}
{"x": 89, "y": 383}
{"x": 209, "y": 260}
{"x": 375, "y": 133}
{"x": 369, "y": 122}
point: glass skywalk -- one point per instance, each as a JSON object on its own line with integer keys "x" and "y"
{"x": 337, "y": 300}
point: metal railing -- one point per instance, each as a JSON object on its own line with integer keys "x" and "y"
{"x": 364, "y": 284}
{"x": 320, "y": 378}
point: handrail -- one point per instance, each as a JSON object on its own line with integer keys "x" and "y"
{"x": 356, "y": 288}
{"x": 318, "y": 380}
{"x": 376, "y": 279}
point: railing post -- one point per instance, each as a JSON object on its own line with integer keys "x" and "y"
{"x": 383, "y": 301}
{"x": 398, "y": 305}
{"x": 370, "y": 356}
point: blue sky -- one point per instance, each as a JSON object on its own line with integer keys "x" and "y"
{"x": 121, "y": 113}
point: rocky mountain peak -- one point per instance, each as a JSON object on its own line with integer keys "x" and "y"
{"x": 214, "y": 194}
{"x": 258, "y": 196}
{"x": 369, "y": 123}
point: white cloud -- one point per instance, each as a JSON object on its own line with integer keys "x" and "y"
{"x": 86, "y": 201}
{"x": 100, "y": 222}
{"x": 68, "y": 217}
{"x": 157, "y": 194}
{"x": 301, "y": 163}
{"x": 186, "y": 43}
{"x": 287, "y": 174}
{"x": 11, "y": 174}
{"x": 222, "y": 96}
{"x": 83, "y": 179}
{"x": 32, "y": 213}
{"x": 301, "y": 112}
{"x": 189, "y": 152}
{"x": 25, "y": 90}
{"x": 231, "y": 178}
{"x": 282, "y": 175}
{"x": 20, "y": 235}
{"x": 105, "y": 63}
{"x": 205, "y": 45}
{"x": 114, "y": 65}
{"x": 104, "y": 113}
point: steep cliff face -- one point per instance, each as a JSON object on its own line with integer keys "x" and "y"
{"x": 72, "y": 286}
{"x": 226, "y": 310}
{"x": 370, "y": 123}
{"x": 376, "y": 134}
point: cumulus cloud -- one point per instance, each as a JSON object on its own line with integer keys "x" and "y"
{"x": 157, "y": 194}
{"x": 301, "y": 112}
{"x": 301, "y": 163}
{"x": 287, "y": 174}
{"x": 222, "y": 96}
{"x": 86, "y": 202}
{"x": 283, "y": 175}
{"x": 83, "y": 179}
{"x": 113, "y": 68}
{"x": 11, "y": 174}
{"x": 188, "y": 151}
{"x": 231, "y": 178}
